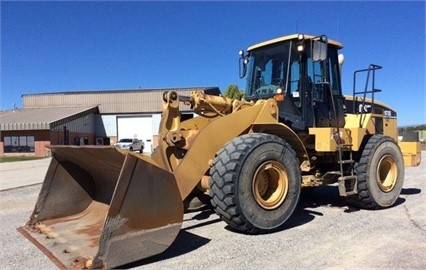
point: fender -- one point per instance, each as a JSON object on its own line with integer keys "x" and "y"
{"x": 286, "y": 133}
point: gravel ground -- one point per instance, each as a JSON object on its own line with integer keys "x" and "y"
{"x": 323, "y": 233}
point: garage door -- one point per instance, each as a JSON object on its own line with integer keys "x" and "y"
{"x": 136, "y": 127}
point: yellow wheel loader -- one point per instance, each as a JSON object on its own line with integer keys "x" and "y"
{"x": 100, "y": 207}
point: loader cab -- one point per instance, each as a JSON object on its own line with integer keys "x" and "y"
{"x": 302, "y": 73}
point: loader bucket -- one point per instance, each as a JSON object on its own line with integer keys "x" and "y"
{"x": 101, "y": 208}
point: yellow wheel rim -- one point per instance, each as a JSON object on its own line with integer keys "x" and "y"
{"x": 270, "y": 185}
{"x": 387, "y": 173}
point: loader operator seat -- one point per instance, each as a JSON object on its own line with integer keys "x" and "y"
{"x": 291, "y": 95}
{"x": 289, "y": 105}
{"x": 290, "y": 114}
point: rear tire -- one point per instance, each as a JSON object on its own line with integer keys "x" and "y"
{"x": 255, "y": 183}
{"x": 380, "y": 172}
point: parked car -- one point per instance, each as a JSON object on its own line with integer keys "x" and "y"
{"x": 131, "y": 144}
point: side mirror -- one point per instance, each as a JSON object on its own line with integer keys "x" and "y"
{"x": 243, "y": 63}
{"x": 319, "y": 52}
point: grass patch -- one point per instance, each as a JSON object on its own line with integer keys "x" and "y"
{"x": 18, "y": 158}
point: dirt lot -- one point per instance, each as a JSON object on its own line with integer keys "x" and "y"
{"x": 324, "y": 233}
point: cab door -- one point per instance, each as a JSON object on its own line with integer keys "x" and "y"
{"x": 325, "y": 91}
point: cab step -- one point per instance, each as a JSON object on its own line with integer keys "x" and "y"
{"x": 348, "y": 185}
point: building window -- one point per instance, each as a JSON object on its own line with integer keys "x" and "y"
{"x": 19, "y": 144}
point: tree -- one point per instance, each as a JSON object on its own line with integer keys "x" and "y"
{"x": 233, "y": 92}
{"x": 411, "y": 128}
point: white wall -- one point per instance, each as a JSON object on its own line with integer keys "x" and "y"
{"x": 139, "y": 127}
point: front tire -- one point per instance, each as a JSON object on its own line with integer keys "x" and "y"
{"x": 380, "y": 174}
{"x": 255, "y": 183}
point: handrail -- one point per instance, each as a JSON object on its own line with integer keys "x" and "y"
{"x": 370, "y": 70}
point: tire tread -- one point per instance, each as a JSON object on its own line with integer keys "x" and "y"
{"x": 222, "y": 186}
{"x": 364, "y": 198}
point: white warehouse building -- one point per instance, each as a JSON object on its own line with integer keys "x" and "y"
{"x": 85, "y": 117}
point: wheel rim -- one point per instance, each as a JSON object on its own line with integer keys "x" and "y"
{"x": 387, "y": 173}
{"x": 270, "y": 185}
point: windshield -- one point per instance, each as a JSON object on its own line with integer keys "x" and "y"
{"x": 126, "y": 140}
{"x": 268, "y": 71}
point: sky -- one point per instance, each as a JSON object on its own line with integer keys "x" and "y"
{"x": 73, "y": 46}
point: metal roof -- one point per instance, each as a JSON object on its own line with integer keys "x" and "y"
{"x": 40, "y": 118}
{"x": 109, "y": 101}
{"x": 290, "y": 37}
